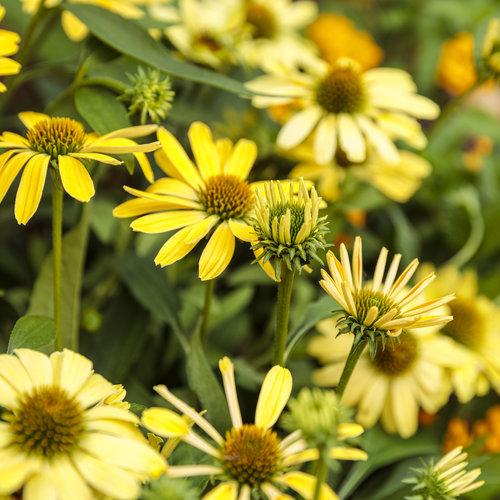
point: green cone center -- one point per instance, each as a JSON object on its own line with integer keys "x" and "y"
{"x": 364, "y": 299}
{"x": 297, "y": 217}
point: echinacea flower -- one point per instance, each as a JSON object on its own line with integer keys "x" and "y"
{"x": 473, "y": 336}
{"x": 378, "y": 308}
{"x": 62, "y": 144}
{"x": 448, "y": 479}
{"x": 393, "y": 384}
{"x": 9, "y": 45}
{"x": 60, "y": 438}
{"x": 194, "y": 199}
{"x": 345, "y": 108}
{"x": 251, "y": 457}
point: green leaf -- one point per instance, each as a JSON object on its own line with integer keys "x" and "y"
{"x": 149, "y": 285}
{"x": 203, "y": 382}
{"x": 128, "y": 37}
{"x": 74, "y": 247}
{"x": 32, "y": 332}
{"x": 100, "y": 108}
{"x": 317, "y": 311}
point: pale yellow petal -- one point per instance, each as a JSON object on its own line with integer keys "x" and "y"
{"x": 273, "y": 397}
{"x": 224, "y": 491}
{"x": 75, "y": 178}
{"x": 325, "y": 140}
{"x": 298, "y": 127}
{"x": 16, "y": 468}
{"x": 241, "y": 159}
{"x": 204, "y": 150}
{"x": 164, "y": 422}
{"x": 95, "y": 389}
{"x": 351, "y": 140}
{"x": 30, "y": 188}
{"x": 174, "y": 248}
{"x": 304, "y": 484}
{"x": 217, "y": 253}
{"x": 37, "y": 366}
{"x": 71, "y": 370}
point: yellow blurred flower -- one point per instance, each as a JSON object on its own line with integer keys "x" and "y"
{"x": 490, "y": 51}
{"x": 476, "y": 151}
{"x": 9, "y": 45}
{"x": 195, "y": 199}
{"x": 251, "y": 457}
{"x": 456, "y": 71}
{"x": 393, "y": 385}
{"x": 74, "y": 28}
{"x": 473, "y": 336}
{"x": 343, "y": 107}
{"x": 398, "y": 181}
{"x": 62, "y": 143}
{"x": 60, "y": 439}
{"x": 336, "y": 36}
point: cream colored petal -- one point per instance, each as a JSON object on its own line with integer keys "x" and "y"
{"x": 174, "y": 248}
{"x": 304, "y": 484}
{"x": 73, "y": 27}
{"x": 75, "y": 178}
{"x": 13, "y": 371}
{"x": 95, "y": 389}
{"x": 107, "y": 479}
{"x": 351, "y": 139}
{"x": 30, "y": 118}
{"x": 373, "y": 400}
{"x": 227, "y": 370}
{"x": 180, "y": 161}
{"x": 325, "y": 140}
{"x": 298, "y": 127}
{"x": 111, "y": 412}
{"x": 241, "y": 159}
{"x": 273, "y": 397}
{"x": 225, "y": 491}
{"x": 167, "y": 221}
{"x": 9, "y": 397}
{"x": 164, "y": 422}
{"x": 404, "y": 406}
{"x": 16, "y": 468}
{"x": 30, "y": 188}
{"x": 200, "y": 229}
{"x": 37, "y": 365}
{"x": 217, "y": 253}
{"x": 114, "y": 428}
{"x": 71, "y": 370}
{"x": 123, "y": 452}
{"x": 184, "y": 471}
{"x": 379, "y": 139}
{"x": 241, "y": 230}
{"x": 273, "y": 493}
{"x": 204, "y": 150}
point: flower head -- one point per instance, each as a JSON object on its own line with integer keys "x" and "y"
{"x": 345, "y": 108}
{"x": 59, "y": 434}
{"x": 62, "y": 144}
{"x": 288, "y": 225}
{"x": 9, "y": 45}
{"x": 393, "y": 384}
{"x": 376, "y": 309}
{"x": 250, "y": 457}
{"x": 149, "y": 95}
{"x": 448, "y": 479}
{"x": 213, "y": 194}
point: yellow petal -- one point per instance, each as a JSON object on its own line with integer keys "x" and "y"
{"x": 139, "y": 206}
{"x": 30, "y": 118}
{"x": 71, "y": 370}
{"x": 164, "y": 422}
{"x": 129, "y": 132}
{"x": 16, "y": 468}
{"x": 75, "y": 178}
{"x": 13, "y": 371}
{"x": 10, "y": 168}
{"x": 351, "y": 140}
{"x": 217, "y": 254}
{"x": 242, "y": 230}
{"x": 167, "y": 221}
{"x": 174, "y": 248}
{"x": 273, "y": 396}
{"x": 341, "y": 453}
{"x": 169, "y": 201}
{"x": 30, "y": 188}
{"x": 180, "y": 161}
{"x": 224, "y": 147}
{"x": 143, "y": 162}
{"x": 37, "y": 365}
{"x": 204, "y": 150}
{"x": 97, "y": 157}
{"x": 267, "y": 267}
{"x": 304, "y": 484}
{"x": 73, "y": 27}
{"x": 241, "y": 159}
{"x": 200, "y": 229}
{"x": 225, "y": 491}
{"x": 349, "y": 430}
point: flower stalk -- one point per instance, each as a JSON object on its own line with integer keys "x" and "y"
{"x": 283, "y": 308}
{"x": 209, "y": 293}
{"x": 356, "y": 350}
{"x": 321, "y": 472}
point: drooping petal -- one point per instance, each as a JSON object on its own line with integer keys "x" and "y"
{"x": 273, "y": 397}
{"x": 217, "y": 253}
{"x": 174, "y": 248}
{"x": 9, "y": 168}
{"x": 200, "y": 229}
{"x": 227, "y": 370}
{"x": 30, "y": 188}
{"x": 76, "y": 178}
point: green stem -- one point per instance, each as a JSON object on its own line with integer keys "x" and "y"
{"x": 282, "y": 312}
{"x": 352, "y": 359}
{"x": 321, "y": 472}
{"x": 57, "y": 208}
{"x": 209, "y": 292}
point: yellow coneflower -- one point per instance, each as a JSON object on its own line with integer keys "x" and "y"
{"x": 63, "y": 144}
{"x": 9, "y": 45}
